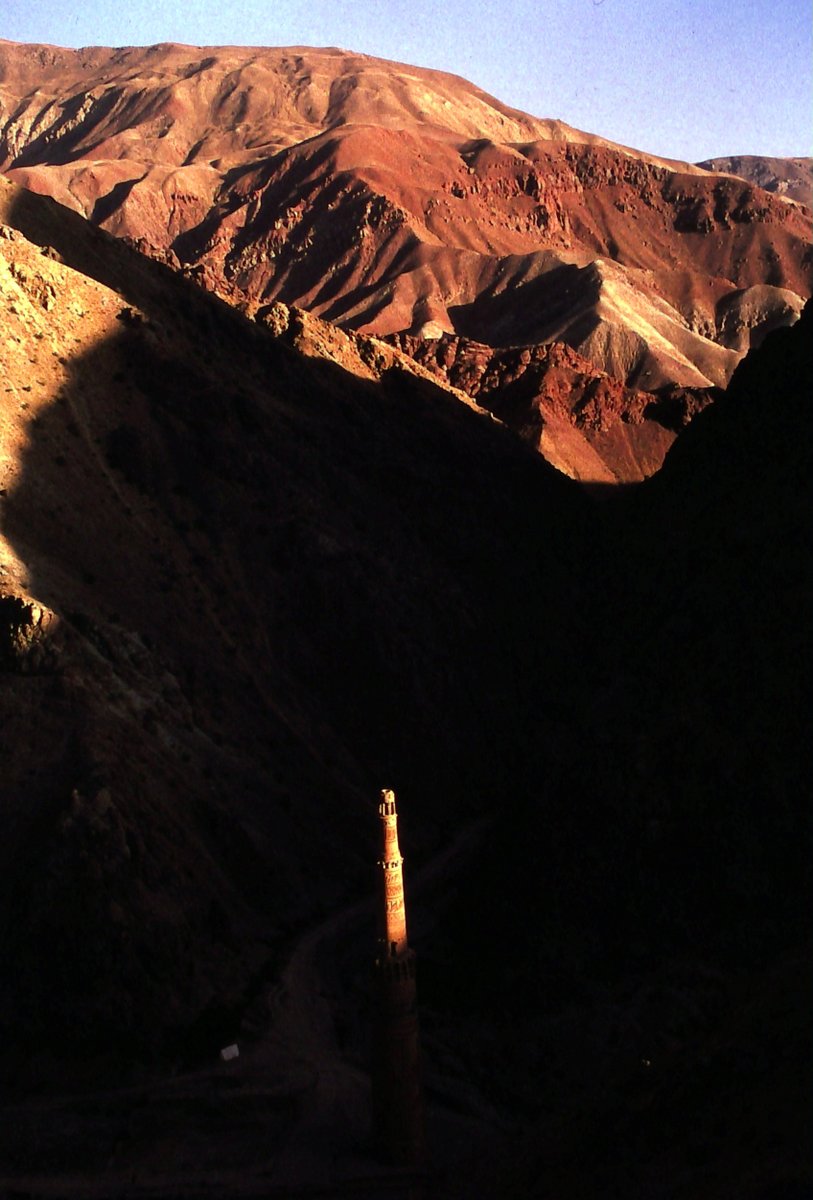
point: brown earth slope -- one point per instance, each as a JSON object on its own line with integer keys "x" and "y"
{"x": 791, "y": 178}
{"x": 390, "y": 198}
{"x": 243, "y": 585}
{"x": 227, "y": 564}
{"x": 586, "y": 423}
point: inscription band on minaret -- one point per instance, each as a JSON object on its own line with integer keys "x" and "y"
{"x": 394, "y": 933}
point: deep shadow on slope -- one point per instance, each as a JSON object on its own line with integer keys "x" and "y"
{"x": 651, "y": 953}
{"x": 281, "y": 587}
{"x": 85, "y": 248}
{"x": 691, "y": 753}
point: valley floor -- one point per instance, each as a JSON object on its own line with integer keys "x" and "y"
{"x": 289, "y": 1117}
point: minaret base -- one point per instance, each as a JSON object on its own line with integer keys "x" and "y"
{"x": 398, "y": 1115}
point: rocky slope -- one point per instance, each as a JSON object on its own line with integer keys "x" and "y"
{"x": 586, "y": 423}
{"x": 390, "y": 198}
{"x": 252, "y": 570}
{"x": 649, "y": 937}
{"x": 791, "y": 178}
{"x": 231, "y": 570}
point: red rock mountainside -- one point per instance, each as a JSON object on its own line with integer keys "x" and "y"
{"x": 390, "y": 198}
{"x": 789, "y": 177}
{"x": 249, "y": 570}
{"x": 225, "y": 561}
{"x": 586, "y": 423}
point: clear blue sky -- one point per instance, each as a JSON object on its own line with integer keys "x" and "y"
{"x": 683, "y": 78}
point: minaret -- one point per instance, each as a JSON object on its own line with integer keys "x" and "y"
{"x": 398, "y": 1124}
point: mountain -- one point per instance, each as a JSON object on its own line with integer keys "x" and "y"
{"x": 791, "y": 178}
{"x": 583, "y": 421}
{"x": 642, "y": 919}
{"x": 242, "y": 583}
{"x": 388, "y": 198}
{"x": 253, "y": 567}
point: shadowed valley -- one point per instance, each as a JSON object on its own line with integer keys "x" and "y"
{"x": 256, "y": 566}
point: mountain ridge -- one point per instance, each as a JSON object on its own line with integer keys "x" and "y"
{"x": 789, "y": 177}
{"x": 394, "y": 199}
{"x": 88, "y": 58}
{"x": 253, "y": 568}
{"x": 200, "y": 517}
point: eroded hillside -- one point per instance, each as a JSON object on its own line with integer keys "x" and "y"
{"x": 390, "y": 198}
{"x": 241, "y": 584}
{"x": 252, "y": 570}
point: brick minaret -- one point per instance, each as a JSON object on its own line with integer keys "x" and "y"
{"x": 398, "y": 1124}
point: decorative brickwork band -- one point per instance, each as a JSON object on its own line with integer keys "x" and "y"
{"x": 392, "y": 929}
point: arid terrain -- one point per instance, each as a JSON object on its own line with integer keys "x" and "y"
{"x": 791, "y": 177}
{"x": 588, "y": 424}
{"x": 256, "y": 564}
{"x": 391, "y": 200}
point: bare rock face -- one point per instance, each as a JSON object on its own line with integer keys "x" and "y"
{"x": 586, "y": 423}
{"x": 790, "y": 178}
{"x": 745, "y": 318}
{"x": 389, "y": 199}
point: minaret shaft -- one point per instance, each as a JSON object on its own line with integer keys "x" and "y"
{"x": 398, "y": 1120}
{"x": 392, "y": 909}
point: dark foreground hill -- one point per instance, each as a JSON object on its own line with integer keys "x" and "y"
{"x": 243, "y": 585}
{"x": 647, "y": 914}
{"x": 253, "y": 571}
